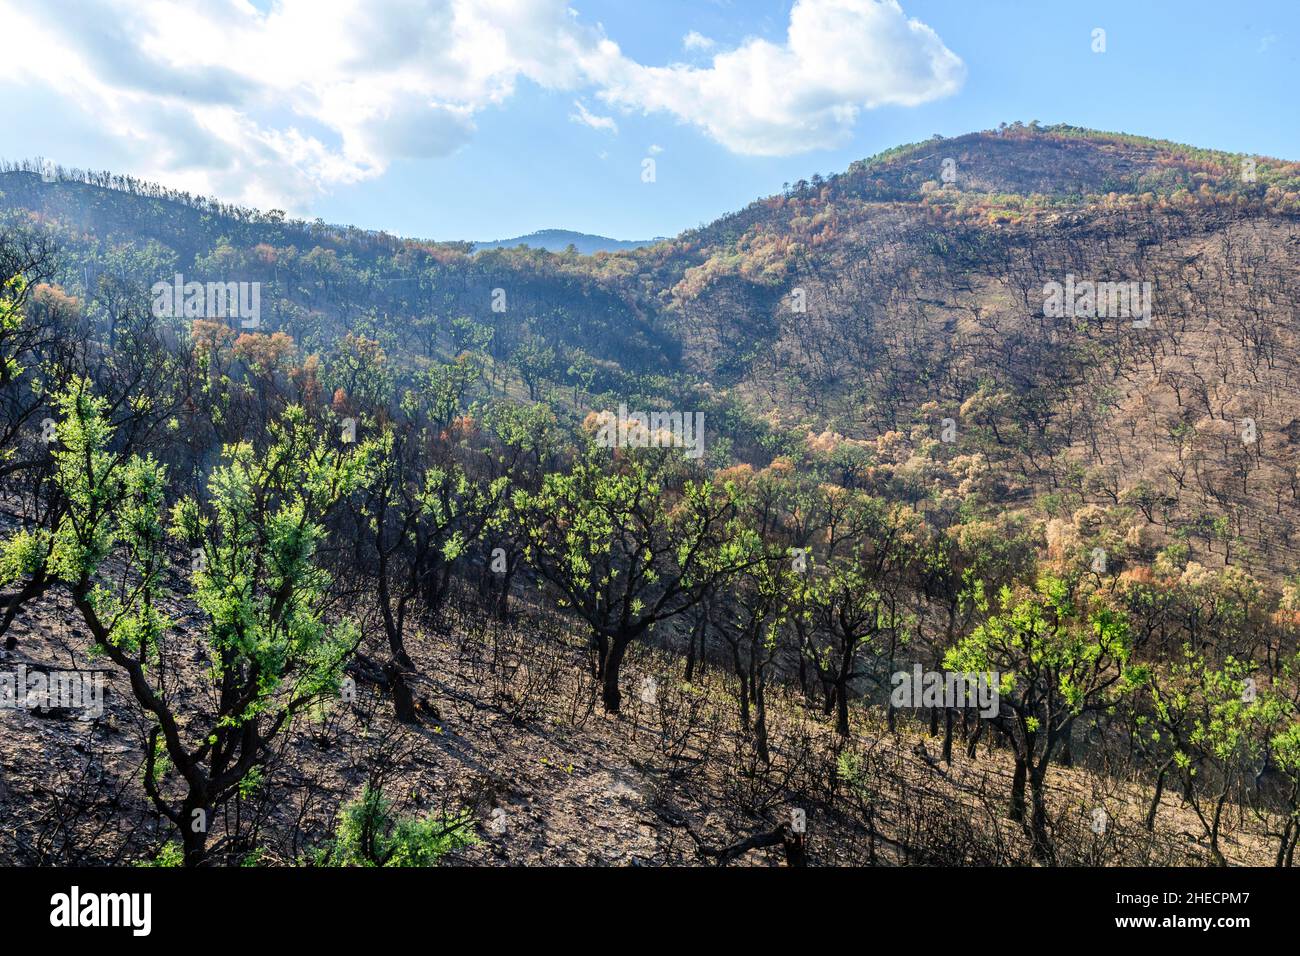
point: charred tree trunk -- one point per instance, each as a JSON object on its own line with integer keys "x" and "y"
{"x": 1016, "y": 811}
{"x": 610, "y": 693}
{"x": 1150, "y": 822}
{"x": 194, "y": 832}
{"x": 400, "y": 691}
{"x": 599, "y": 652}
{"x": 697, "y": 638}
{"x": 842, "y": 707}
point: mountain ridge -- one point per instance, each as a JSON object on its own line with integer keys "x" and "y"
{"x": 559, "y": 240}
{"x": 906, "y": 160}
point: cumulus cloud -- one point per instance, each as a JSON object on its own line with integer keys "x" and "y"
{"x": 763, "y": 98}
{"x": 697, "y": 41}
{"x": 274, "y": 107}
{"x": 278, "y": 106}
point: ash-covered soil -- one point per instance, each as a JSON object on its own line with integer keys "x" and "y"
{"x": 511, "y": 729}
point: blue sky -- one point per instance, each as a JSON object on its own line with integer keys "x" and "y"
{"x": 340, "y": 126}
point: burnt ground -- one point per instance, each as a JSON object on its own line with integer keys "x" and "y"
{"x": 510, "y": 730}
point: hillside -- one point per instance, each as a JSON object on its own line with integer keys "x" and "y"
{"x": 505, "y": 732}
{"x": 374, "y": 542}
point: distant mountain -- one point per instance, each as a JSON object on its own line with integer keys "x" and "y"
{"x": 557, "y": 240}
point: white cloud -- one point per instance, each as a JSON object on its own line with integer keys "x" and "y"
{"x": 273, "y": 108}
{"x": 762, "y": 98}
{"x": 697, "y": 41}
{"x": 276, "y": 107}
{"x": 585, "y": 117}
